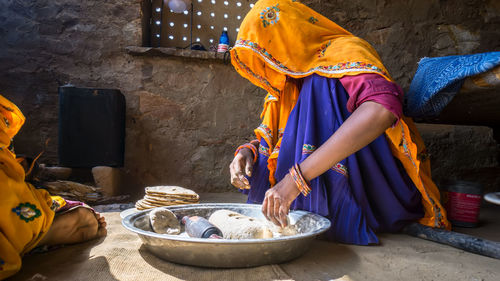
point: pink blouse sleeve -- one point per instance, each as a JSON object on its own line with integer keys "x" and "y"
{"x": 373, "y": 87}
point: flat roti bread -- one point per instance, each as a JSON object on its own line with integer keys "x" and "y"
{"x": 145, "y": 205}
{"x": 140, "y": 207}
{"x": 169, "y": 197}
{"x": 169, "y": 200}
{"x": 171, "y": 190}
{"x": 161, "y": 204}
{"x": 159, "y": 196}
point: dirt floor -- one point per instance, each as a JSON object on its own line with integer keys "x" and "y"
{"x": 120, "y": 256}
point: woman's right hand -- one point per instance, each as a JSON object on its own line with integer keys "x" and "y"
{"x": 242, "y": 165}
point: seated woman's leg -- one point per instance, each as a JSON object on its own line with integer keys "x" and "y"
{"x": 79, "y": 225}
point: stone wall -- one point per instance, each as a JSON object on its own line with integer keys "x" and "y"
{"x": 462, "y": 153}
{"x": 186, "y": 116}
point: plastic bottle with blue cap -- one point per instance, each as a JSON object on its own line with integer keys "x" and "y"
{"x": 223, "y": 43}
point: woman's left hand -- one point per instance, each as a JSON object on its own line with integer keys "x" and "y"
{"x": 278, "y": 199}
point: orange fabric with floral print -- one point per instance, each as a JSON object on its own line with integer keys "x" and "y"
{"x": 280, "y": 38}
{"x": 283, "y": 39}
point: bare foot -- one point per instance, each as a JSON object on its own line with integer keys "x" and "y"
{"x": 101, "y": 229}
{"x": 76, "y": 226}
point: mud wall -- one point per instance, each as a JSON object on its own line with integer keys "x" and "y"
{"x": 186, "y": 116}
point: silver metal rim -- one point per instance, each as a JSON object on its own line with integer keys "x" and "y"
{"x": 127, "y": 222}
{"x": 493, "y": 197}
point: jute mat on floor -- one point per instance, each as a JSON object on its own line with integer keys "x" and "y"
{"x": 121, "y": 256}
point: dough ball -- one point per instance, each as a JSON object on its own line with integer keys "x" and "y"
{"x": 278, "y": 231}
{"x": 163, "y": 221}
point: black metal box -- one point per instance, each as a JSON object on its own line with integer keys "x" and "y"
{"x": 91, "y": 127}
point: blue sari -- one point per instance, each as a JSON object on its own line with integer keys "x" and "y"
{"x": 366, "y": 193}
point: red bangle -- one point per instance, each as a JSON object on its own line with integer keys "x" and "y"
{"x": 249, "y": 146}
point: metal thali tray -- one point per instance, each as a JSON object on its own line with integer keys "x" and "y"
{"x": 227, "y": 253}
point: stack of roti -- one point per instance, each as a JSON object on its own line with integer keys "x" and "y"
{"x": 159, "y": 196}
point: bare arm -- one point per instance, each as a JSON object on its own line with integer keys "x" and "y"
{"x": 366, "y": 123}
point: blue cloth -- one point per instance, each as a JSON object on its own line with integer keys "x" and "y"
{"x": 365, "y": 193}
{"x": 437, "y": 80}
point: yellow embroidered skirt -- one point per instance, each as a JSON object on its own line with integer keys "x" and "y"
{"x": 26, "y": 213}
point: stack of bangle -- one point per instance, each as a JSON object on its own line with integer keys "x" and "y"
{"x": 250, "y": 146}
{"x": 299, "y": 180}
{"x": 255, "y": 143}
